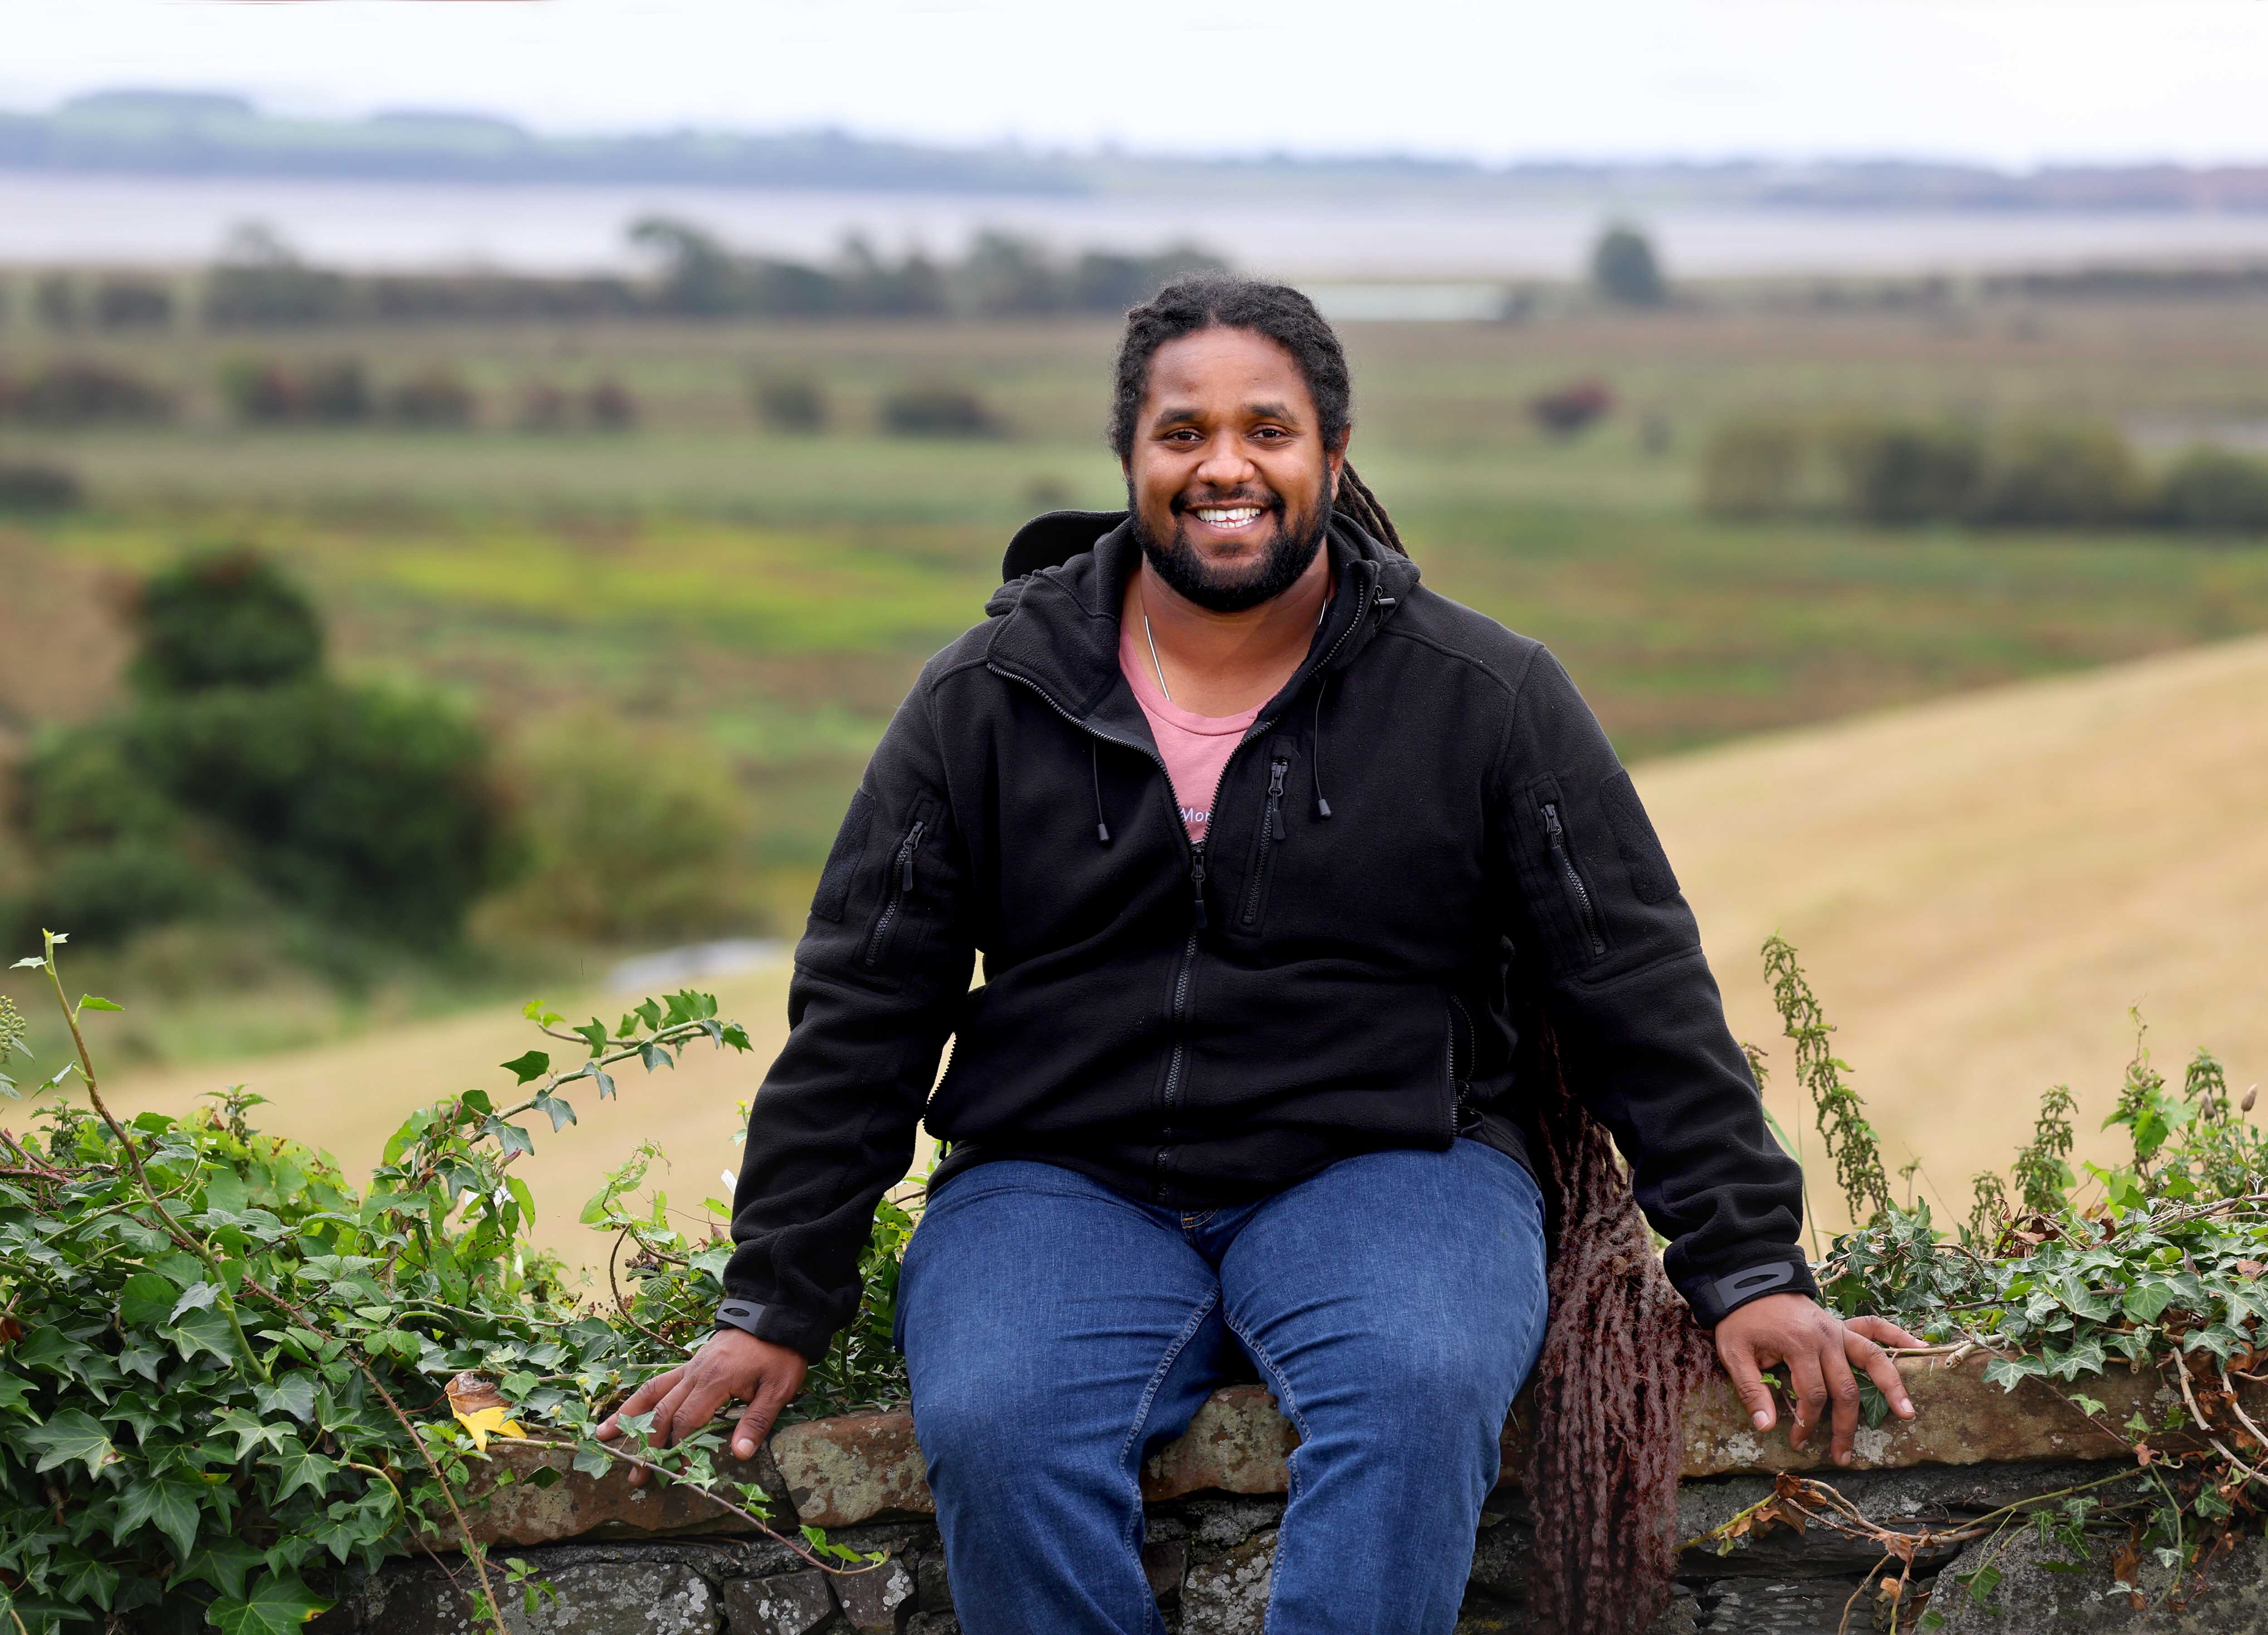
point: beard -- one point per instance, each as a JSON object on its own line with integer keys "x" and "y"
{"x": 1298, "y": 537}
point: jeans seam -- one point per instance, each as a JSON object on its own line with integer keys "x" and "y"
{"x": 1134, "y": 1442}
{"x": 1288, "y": 1406}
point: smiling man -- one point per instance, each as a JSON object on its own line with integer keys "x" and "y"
{"x": 1272, "y": 854}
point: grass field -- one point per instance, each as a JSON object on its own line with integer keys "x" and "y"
{"x": 773, "y": 595}
{"x": 1979, "y": 887}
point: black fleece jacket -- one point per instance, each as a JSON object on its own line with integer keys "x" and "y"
{"x": 1424, "y": 836}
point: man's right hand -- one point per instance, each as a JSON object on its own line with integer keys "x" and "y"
{"x": 732, "y": 1365}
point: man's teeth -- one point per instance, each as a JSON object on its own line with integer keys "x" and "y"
{"x": 1227, "y": 516}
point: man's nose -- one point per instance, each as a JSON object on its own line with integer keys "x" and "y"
{"x": 1225, "y": 464}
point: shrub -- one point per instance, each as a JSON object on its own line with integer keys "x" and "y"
{"x": 1565, "y": 411}
{"x": 2212, "y": 488}
{"x": 543, "y": 406}
{"x": 78, "y": 392}
{"x": 1908, "y": 471}
{"x": 364, "y": 805}
{"x": 336, "y": 391}
{"x": 224, "y": 618}
{"x": 1625, "y": 270}
{"x": 1752, "y": 467}
{"x": 260, "y": 391}
{"x": 938, "y": 410}
{"x": 794, "y": 404}
{"x": 434, "y": 398}
{"x": 133, "y": 303}
{"x": 2075, "y": 472}
{"x": 56, "y": 298}
{"x": 610, "y": 406}
{"x": 35, "y": 486}
{"x": 630, "y": 836}
{"x": 108, "y": 892}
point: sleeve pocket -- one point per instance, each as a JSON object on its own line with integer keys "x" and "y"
{"x": 834, "y": 894}
{"x": 1651, "y": 877}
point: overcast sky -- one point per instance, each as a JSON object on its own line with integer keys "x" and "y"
{"x": 2016, "y": 82}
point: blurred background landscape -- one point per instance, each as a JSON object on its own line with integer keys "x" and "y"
{"x": 441, "y": 562}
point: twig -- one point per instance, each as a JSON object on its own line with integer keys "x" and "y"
{"x": 2237, "y": 1407}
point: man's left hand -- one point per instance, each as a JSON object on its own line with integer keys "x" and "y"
{"x": 1819, "y": 1351}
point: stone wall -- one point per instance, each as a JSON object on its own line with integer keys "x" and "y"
{"x": 624, "y": 1561}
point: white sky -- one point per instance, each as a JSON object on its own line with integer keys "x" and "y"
{"x": 2016, "y": 82}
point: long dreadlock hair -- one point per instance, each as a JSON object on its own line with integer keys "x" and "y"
{"x": 1223, "y": 301}
{"x": 1607, "y": 1404}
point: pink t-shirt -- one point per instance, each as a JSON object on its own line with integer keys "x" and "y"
{"x": 1195, "y": 747}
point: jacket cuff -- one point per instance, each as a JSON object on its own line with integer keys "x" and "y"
{"x": 780, "y": 1325}
{"x": 1716, "y": 1295}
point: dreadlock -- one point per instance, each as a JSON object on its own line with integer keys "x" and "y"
{"x": 1621, "y": 1351}
{"x": 1222, "y": 301}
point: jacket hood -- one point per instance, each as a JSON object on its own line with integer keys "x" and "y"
{"x": 1057, "y": 615}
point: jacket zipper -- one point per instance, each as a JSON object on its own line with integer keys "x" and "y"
{"x": 902, "y": 887}
{"x": 1459, "y": 1081}
{"x": 1561, "y": 856}
{"x": 1200, "y": 920}
{"x": 1272, "y": 829}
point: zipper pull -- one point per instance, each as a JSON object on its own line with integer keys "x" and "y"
{"x": 906, "y": 857}
{"x": 1196, "y": 883}
{"x": 1276, "y": 770}
{"x": 1551, "y": 823}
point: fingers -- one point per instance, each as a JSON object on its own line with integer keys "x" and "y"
{"x": 644, "y": 1397}
{"x": 1807, "y": 1385}
{"x": 772, "y": 1393}
{"x": 1882, "y": 1331}
{"x": 1863, "y": 1352}
{"x": 1842, "y": 1387}
{"x": 1740, "y": 1360}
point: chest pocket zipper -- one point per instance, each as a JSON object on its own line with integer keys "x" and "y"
{"x": 1263, "y": 852}
{"x": 901, "y": 887}
{"x": 1578, "y": 895}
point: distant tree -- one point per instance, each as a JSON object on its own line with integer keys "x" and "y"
{"x": 1566, "y": 410}
{"x": 1004, "y": 276}
{"x": 228, "y": 618}
{"x": 133, "y": 303}
{"x": 2214, "y": 490}
{"x": 609, "y": 405}
{"x": 260, "y": 281}
{"x": 700, "y": 278}
{"x": 938, "y": 410}
{"x": 1625, "y": 270}
{"x": 433, "y": 398}
{"x": 543, "y": 406}
{"x": 56, "y": 298}
{"x": 792, "y": 403}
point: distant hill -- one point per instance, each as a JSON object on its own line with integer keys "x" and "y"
{"x": 186, "y": 132}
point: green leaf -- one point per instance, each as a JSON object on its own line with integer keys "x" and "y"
{"x": 197, "y": 1296}
{"x": 222, "y": 1562}
{"x": 169, "y": 1503}
{"x": 249, "y": 1431}
{"x": 29, "y": 962}
{"x": 2148, "y": 1299}
{"x": 146, "y": 1300}
{"x": 301, "y": 1469}
{"x": 532, "y": 1065}
{"x": 556, "y": 1108}
{"x": 2008, "y": 1373}
{"x": 279, "y": 1604}
{"x": 88, "y": 1002}
{"x": 70, "y": 1435}
{"x": 592, "y": 1460}
{"x": 294, "y": 1394}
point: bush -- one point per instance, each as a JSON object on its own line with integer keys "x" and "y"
{"x": 107, "y": 893}
{"x": 794, "y": 404}
{"x": 1625, "y": 270}
{"x": 2213, "y": 489}
{"x": 336, "y": 392}
{"x": 80, "y": 392}
{"x": 631, "y": 837}
{"x": 133, "y": 303}
{"x": 224, "y": 618}
{"x": 56, "y": 298}
{"x": 1752, "y": 467}
{"x": 435, "y": 398}
{"x": 610, "y": 406}
{"x": 938, "y": 410}
{"x": 1908, "y": 471}
{"x": 1565, "y": 411}
{"x": 543, "y": 406}
{"x": 37, "y": 486}
{"x": 366, "y": 806}
{"x": 260, "y": 391}
{"x": 2072, "y": 472}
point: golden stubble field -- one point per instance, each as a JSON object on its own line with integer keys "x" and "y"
{"x": 1980, "y": 888}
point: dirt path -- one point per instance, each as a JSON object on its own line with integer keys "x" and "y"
{"x": 1980, "y": 888}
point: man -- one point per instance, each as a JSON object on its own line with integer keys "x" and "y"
{"x": 1266, "y": 847}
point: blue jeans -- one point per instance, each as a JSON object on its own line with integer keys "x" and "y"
{"x": 1056, "y": 1332}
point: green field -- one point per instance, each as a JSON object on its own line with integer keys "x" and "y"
{"x": 774, "y": 595}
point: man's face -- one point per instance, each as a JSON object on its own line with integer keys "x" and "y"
{"x": 1228, "y": 477}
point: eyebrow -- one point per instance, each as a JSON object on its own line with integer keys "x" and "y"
{"x": 1172, "y": 416}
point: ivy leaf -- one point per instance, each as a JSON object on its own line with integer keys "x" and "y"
{"x": 532, "y": 1065}
{"x": 222, "y": 1562}
{"x": 88, "y": 1002}
{"x": 278, "y": 1604}
{"x": 146, "y": 1300}
{"x": 197, "y": 1296}
{"x": 560, "y": 1113}
{"x": 592, "y": 1460}
{"x": 2008, "y": 1373}
{"x": 2148, "y": 1298}
{"x": 70, "y": 1435}
{"x": 301, "y": 1469}
{"x": 294, "y": 1394}
{"x": 249, "y": 1432}
{"x": 592, "y": 1032}
{"x": 168, "y": 1503}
